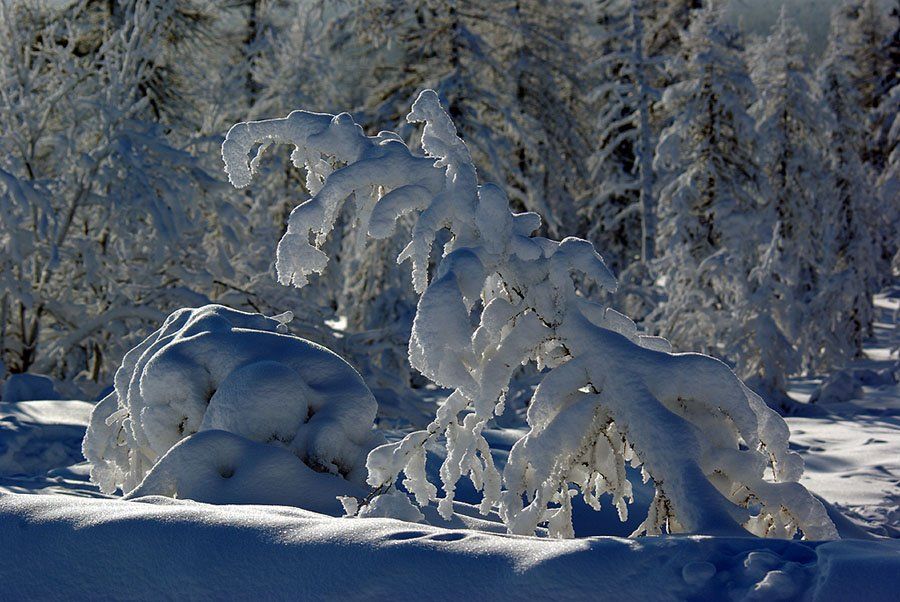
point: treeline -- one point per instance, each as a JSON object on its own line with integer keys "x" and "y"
{"x": 745, "y": 194}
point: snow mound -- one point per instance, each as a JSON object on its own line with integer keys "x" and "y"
{"x": 233, "y": 552}
{"x": 215, "y": 368}
{"x": 844, "y": 385}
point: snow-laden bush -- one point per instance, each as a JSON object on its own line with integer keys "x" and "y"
{"x": 215, "y": 368}
{"x": 500, "y": 297}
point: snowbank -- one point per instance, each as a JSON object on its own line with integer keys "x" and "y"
{"x": 845, "y": 385}
{"x": 165, "y": 548}
{"x": 218, "y": 467}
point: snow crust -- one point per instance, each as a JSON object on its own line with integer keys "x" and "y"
{"x": 611, "y": 396}
{"x": 214, "y": 368}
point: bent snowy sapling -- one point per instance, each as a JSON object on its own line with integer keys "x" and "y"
{"x": 718, "y": 457}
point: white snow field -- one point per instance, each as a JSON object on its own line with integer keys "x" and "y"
{"x": 71, "y": 541}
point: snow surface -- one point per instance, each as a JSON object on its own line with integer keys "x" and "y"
{"x": 24, "y": 387}
{"x": 851, "y": 448}
{"x": 163, "y": 548}
{"x": 223, "y": 468}
{"x": 37, "y": 436}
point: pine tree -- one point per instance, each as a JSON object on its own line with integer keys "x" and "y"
{"x": 851, "y": 250}
{"x": 709, "y": 231}
{"x": 508, "y": 74}
{"x": 624, "y": 201}
{"x": 92, "y": 189}
{"x": 667, "y": 24}
{"x": 793, "y": 157}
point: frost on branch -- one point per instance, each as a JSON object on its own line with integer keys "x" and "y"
{"x": 717, "y": 455}
{"x": 215, "y": 368}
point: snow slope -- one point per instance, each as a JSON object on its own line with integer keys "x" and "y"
{"x": 163, "y": 548}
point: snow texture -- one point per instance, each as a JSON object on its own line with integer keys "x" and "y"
{"x": 611, "y": 396}
{"x": 219, "y": 467}
{"x": 214, "y": 368}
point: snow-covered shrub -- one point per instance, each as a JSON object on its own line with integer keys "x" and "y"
{"x": 500, "y": 297}
{"x": 215, "y": 368}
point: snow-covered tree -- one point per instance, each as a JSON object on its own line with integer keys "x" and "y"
{"x": 710, "y": 230}
{"x": 791, "y": 122}
{"x": 499, "y": 297}
{"x": 865, "y": 29}
{"x": 666, "y": 23}
{"x": 889, "y": 180}
{"x": 507, "y": 72}
{"x": 623, "y": 164}
{"x": 887, "y": 133}
{"x": 92, "y": 192}
{"x": 853, "y": 220}
{"x": 862, "y": 33}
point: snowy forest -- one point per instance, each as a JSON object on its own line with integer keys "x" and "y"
{"x": 455, "y": 294}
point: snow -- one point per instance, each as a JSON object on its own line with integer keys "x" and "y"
{"x": 22, "y": 387}
{"x": 238, "y": 548}
{"x": 105, "y": 548}
{"x": 37, "y": 436}
{"x": 223, "y": 468}
{"x": 854, "y": 463}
